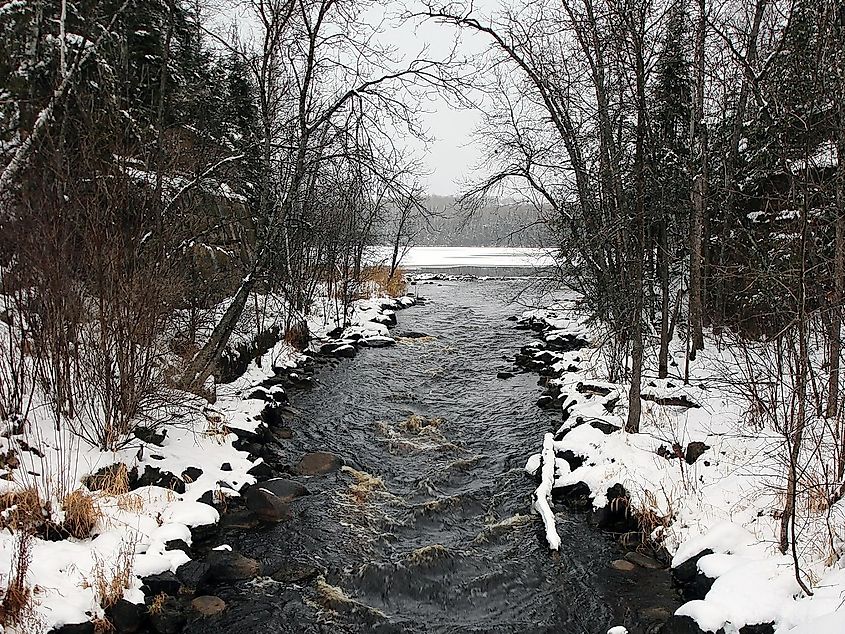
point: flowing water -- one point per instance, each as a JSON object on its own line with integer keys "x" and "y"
{"x": 432, "y": 530}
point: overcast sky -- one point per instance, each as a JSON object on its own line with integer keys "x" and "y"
{"x": 455, "y": 151}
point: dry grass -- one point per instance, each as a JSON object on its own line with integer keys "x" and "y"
{"x": 24, "y": 510}
{"x": 216, "y": 429}
{"x": 157, "y": 604}
{"x": 111, "y": 579}
{"x": 648, "y": 518}
{"x": 379, "y": 280}
{"x": 17, "y": 606}
{"x": 503, "y": 526}
{"x": 113, "y": 481}
{"x": 103, "y": 626}
{"x": 81, "y": 513}
{"x": 130, "y": 503}
{"x": 817, "y": 493}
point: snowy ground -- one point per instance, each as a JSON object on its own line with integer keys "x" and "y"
{"x": 728, "y": 500}
{"x": 133, "y": 526}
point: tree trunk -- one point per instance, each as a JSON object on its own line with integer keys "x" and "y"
{"x": 663, "y": 265}
{"x": 698, "y": 137}
{"x": 632, "y": 424}
{"x": 839, "y": 263}
{"x": 202, "y": 365}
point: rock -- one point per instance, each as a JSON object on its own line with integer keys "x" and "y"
{"x": 212, "y": 500}
{"x": 273, "y": 415}
{"x": 654, "y": 615}
{"x": 178, "y": 544}
{"x": 191, "y": 474}
{"x": 267, "y": 508}
{"x": 192, "y": 574}
{"x": 154, "y": 476}
{"x": 270, "y": 393}
{"x": 505, "y": 375}
{"x": 227, "y": 565}
{"x": 693, "y": 583}
{"x": 286, "y": 490}
{"x": 758, "y": 628}
{"x": 238, "y": 520}
{"x": 622, "y": 565}
{"x": 226, "y": 466}
{"x": 74, "y": 628}
{"x": 671, "y": 401}
{"x": 591, "y": 388}
{"x": 643, "y": 561}
{"x": 283, "y": 433}
{"x": 345, "y": 352}
{"x": 413, "y": 334}
{"x": 378, "y": 342}
{"x": 167, "y": 618}
{"x": 684, "y": 625}
{"x": 208, "y": 605}
{"x": 127, "y": 617}
{"x": 269, "y": 500}
{"x": 150, "y": 435}
{"x": 162, "y": 583}
{"x": 694, "y": 451}
{"x": 574, "y": 461}
{"x": 296, "y": 572}
{"x": 603, "y": 426}
{"x": 318, "y": 463}
{"x": 545, "y": 401}
{"x": 261, "y": 471}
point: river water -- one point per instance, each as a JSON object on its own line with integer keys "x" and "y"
{"x": 443, "y": 540}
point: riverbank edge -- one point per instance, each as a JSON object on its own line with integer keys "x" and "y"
{"x": 255, "y": 408}
{"x": 589, "y": 408}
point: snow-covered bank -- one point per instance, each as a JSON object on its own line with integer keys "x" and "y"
{"x": 148, "y": 501}
{"x": 705, "y": 478}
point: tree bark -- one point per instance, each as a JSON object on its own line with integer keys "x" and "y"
{"x": 835, "y": 350}
{"x": 663, "y": 266}
{"x": 698, "y": 135}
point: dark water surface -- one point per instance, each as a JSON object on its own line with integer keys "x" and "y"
{"x": 447, "y": 544}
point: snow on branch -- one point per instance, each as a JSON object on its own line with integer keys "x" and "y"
{"x": 543, "y": 494}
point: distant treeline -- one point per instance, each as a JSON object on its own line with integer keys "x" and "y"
{"x": 496, "y": 223}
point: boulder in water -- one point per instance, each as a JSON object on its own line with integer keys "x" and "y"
{"x": 318, "y": 463}
{"x": 208, "y": 605}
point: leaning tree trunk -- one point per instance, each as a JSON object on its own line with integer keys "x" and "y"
{"x": 202, "y": 365}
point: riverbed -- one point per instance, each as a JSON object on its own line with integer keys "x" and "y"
{"x": 429, "y": 527}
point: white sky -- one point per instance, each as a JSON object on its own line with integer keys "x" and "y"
{"x": 454, "y": 152}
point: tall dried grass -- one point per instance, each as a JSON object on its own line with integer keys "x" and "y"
{"x": 81, "y": 513}
{"x": 379, "y": 281}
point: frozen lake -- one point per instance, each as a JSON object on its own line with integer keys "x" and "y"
{"x": 468, "y": 257}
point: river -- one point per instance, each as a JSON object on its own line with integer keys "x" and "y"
{"x": 441, "y": 538}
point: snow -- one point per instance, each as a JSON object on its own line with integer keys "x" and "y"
{"x": 543, "y": 494}
{"x": 453, "y": 257}
{"x": 727, "y": 501}
{"x": 133, "y": 528}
